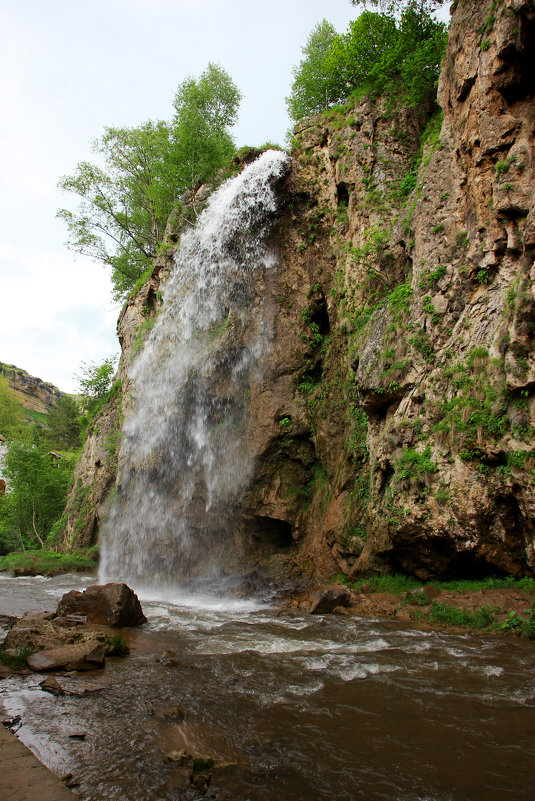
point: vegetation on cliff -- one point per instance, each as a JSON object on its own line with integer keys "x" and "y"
{"x": 399, "y": 59}
{"x": 11, "y": 420}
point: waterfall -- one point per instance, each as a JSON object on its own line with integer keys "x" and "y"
{"x": 184, "y": 459}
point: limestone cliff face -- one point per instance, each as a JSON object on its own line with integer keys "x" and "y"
{"x": 394, "y": 425}
{"x": 411, "y": 395}
{"x": 32, "y": 393}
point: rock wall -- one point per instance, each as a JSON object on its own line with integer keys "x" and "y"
{"x": 411, "y": 397}
{"x": 394, "y": 428}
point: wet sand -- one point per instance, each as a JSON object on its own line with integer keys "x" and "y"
{"x": 23, "y": 777}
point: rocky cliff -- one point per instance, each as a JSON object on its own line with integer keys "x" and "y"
{"x": 394, "y": 424}
{"x": 32, "y": 393}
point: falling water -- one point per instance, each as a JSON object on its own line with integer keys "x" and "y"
{"x": 184, "y": 458}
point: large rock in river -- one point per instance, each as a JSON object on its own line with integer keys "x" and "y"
{"x": 108, "y": 604}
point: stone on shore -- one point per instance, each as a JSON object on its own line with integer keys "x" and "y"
{"x": 89, "y": 655}
{"x": 327, "y": 600}
{"x": 108, "y": 604}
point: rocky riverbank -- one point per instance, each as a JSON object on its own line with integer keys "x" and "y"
{"x": 499, "y": 609}
{"x": 78, "y": 636}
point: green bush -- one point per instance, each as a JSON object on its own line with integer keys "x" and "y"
{"x": 415, "y": 465}
{"x": 18, "y": 659}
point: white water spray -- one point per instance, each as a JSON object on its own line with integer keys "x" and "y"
{"x": 184, "y": 462}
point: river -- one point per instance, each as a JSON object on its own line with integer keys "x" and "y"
{"x": 304, "y": 708}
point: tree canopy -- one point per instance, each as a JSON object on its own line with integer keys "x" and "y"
{"x": 205, "y": 110}
{"x": 126, "y": 198}
{"x": 378, "y": 54}
{"x": 392, "y": 7}
{"x": 64, "y": 423}
{"x": 314, "y": 89}
{"x": 38, "y": 484}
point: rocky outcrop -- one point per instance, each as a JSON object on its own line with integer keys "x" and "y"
{"x": 32, "y": 393}
{"x": 77, "y": 656}
{"x": 93, "y": 480}
{"x": 393, "y": 428}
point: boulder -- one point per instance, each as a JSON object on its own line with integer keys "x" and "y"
{"x": 70, "y": 686}
{"x": 108, "y": 604}
{"x": 87, "y": 655}
{"x": 327, "y": 600}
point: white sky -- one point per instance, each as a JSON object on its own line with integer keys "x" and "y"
{"x": 67, "y": 69}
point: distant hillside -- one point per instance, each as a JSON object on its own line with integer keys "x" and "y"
{"x": 35, "y": 396}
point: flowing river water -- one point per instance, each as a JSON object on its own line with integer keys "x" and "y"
{"x": 304, "y": 708}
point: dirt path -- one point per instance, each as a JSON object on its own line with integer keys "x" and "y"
{"x": 23, "y": 777}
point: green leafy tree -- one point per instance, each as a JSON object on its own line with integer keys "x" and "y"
{"x": 11, "y": 420}
{"x": 205, "y": 110}
{"x": 124, "y": 205}
{"x": 315, "y": 85}
{"x": 64, "y": 424}
{"x": 95, "y": 383}
{"x": 125, "y": 200}
{"x": 399, "y": 58}
{"x": 38, "y": 485}
{"x": 392, "y": 7}
{"x": 361, "y": 55}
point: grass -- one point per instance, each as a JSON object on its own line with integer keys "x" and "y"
{"x": 48, "y": 562}
{"x": 18, "y": 659}
{"x": 490, "y": 583}
{"x": 398, "y": 583}
{"x": 37, "y": 417}
{"x": 448, "y": 614}
{"x": 483, "y": 618}
{"x": 395, "y": 583}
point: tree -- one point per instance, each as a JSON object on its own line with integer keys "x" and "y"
{"x": 205, "y": 110}
{"x": 124, "y": 204}
{"x": 314, "y": 85}
{"x": 390, "y": 7}
{"x": 11, "y": 421}
{"x": 378, "y": 54}
{"x": 95, "y": 382}
{"x": 360, "y": 55}
{"x": 38, "y": 486}
{"x": 64, "y": 423}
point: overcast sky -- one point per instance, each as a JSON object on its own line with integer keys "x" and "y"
{"x": 67, "y": 69}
